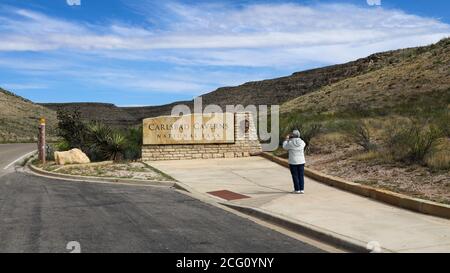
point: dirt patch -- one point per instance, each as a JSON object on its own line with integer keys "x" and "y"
{"x": 125, "y": 170}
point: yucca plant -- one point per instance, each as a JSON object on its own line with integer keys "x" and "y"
{"x": 105, "y": 143}
{"x": 96, "y": 139}
{"x": 116, "y": 145}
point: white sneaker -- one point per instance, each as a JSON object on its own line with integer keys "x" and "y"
{"x": 296, "y": 192}
{"x": 302, "y": 192}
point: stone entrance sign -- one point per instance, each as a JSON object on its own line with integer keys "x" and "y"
{"x": 195, "y": 136}
{"x": 189, "y": 129}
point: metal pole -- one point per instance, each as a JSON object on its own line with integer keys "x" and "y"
{"x": 41, "y": 141}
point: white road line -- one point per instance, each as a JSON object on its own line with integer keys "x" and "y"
{"x": 20, "y": 158}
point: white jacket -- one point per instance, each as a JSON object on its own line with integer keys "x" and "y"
{"x": 296, "y": 148}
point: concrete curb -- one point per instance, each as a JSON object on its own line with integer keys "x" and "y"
{"x": 385, "y": 196}
{"x": 100, "y": 179}
{"x": 332, "y": 238}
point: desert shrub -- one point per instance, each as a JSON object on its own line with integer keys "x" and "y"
{"x": 357, "y": 110}
{"x": 439, "y": 156}
{"x": 412, "y": 141}
{"x": 62, "y": 145}
{"x": 71, "y": 128}
{"x": 134, "y": 143}
{"x": 307, "y": 130}
{"x": 442, "y": 121}
{"x": 359, "y": 132}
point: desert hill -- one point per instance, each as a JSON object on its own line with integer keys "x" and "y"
{"x": 418, "y": 77}
{"x": 19, "y": 118}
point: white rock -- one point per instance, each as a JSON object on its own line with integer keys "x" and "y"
{"x": 74, "y": 156}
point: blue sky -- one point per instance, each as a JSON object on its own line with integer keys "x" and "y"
{"x": 145, "y": 52}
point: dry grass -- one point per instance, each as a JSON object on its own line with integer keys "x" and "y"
{"x": 19, "y": 118}
{"x": 439, "y": 158}
{"x": 368, "y": 156}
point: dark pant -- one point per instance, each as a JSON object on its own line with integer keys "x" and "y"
{"x": 298, "y": 175}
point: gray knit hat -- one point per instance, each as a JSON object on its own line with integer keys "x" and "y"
{"x": 296, "y": 133}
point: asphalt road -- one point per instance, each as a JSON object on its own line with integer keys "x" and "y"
{"x": 43, "y": 215}
{"x": 10, "y": 152}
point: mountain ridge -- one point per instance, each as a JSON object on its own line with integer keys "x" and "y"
{"x": 267, "y": 92}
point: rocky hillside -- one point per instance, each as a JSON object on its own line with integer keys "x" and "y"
{"x": 417, "y": 77}
{"x": 19, "y": 118}
{"x": 378, "y": 80}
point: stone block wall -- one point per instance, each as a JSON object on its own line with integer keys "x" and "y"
{"x": 246, "y": 144}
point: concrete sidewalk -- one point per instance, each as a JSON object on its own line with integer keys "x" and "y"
{"x": 347, "y": 215}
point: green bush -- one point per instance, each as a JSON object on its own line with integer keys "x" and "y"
{"x": 71, "y": 128}
{"x": 411, "y": 142}
{"x": 134, "y": 143}
{"x": 307, "y": 130}
{"x": 442, "y": 121}
{"x": 62, "y": 145}
{"x": 359, "y": 132}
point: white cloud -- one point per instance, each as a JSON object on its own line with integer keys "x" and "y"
{"x": 281, "y": 36}
{"x": 211, "y": 27}
{"x": 23, "y": 86}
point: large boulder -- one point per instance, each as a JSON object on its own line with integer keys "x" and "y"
{"x": 74, "y": 156}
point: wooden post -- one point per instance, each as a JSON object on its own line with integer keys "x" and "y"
{"x": 41, "y": 141}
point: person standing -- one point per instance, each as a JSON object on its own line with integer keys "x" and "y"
{"x": 296, "y": 147}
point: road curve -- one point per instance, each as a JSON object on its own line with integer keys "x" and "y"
{"x": 11, "y": 152}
